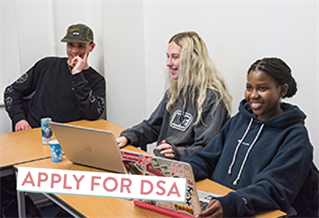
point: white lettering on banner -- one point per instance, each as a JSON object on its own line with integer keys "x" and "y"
{"x": 101, "y": 184}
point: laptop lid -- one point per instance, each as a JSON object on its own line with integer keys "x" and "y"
{"x": 142, "y": 164}
{"x": 89, "y": 147}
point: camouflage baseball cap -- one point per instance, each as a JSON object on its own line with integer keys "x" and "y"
{"x": 78, "y": 33}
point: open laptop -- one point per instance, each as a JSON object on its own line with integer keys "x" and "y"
{"x": 89, "y": 147}
{"x": 98, "y": 148}
{"x": 141, "y": 164}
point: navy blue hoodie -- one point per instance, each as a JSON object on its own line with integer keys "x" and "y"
{"x": 265, "y": 162}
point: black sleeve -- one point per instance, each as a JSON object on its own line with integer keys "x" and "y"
{"x": 205, "y": 161}
{"x": 22, "y": 87}
{"x": 90, "y": 94}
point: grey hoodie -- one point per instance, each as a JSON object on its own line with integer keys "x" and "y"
{"x": 177, "y": 128}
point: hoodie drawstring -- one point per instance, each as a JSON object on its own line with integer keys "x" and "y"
{"x": 247, "y": 153}
{"x": 240, "y": 141}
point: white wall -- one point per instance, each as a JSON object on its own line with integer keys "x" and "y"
{"x": 132, "y": 40}
{"x": 24, "y": 40}
{"x": 123, "y": 34}
{"x": 236, "y": 33}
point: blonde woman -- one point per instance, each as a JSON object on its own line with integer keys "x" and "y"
{"x": 195, "y": 105}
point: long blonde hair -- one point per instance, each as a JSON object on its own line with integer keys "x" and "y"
{"x": 197, "y": 73}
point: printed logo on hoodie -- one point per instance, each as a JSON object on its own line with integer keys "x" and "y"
{"x": 180, "y": 122}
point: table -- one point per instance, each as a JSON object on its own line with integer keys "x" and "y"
{"x": 25, "y": 146}
{"x": 211, "y": 186}
{"x": 38, "y": 155}
{"x": 113, "y": 207}
{"x": 88, "y": 206}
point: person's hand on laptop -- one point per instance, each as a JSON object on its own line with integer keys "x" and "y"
{"x": 121, "y": 141}
{"x": 166, "y": 149}
{"x": 213, "y": 209}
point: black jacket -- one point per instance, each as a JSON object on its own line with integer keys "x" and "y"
{"x": 57, "y": 93}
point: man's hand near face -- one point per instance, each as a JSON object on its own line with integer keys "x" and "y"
{"x": 79, "y": 63}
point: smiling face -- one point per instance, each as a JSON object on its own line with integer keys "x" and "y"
{"x": 74, "y": 49}
{"x": 263, "y": 95}
{"x": 173, "y": 59}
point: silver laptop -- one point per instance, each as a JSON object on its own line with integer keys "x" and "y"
{"x": 89, "y": 147}
{"x": 141, "y": 164}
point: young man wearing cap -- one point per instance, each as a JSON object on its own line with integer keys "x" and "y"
{"x": 65, "y": 89}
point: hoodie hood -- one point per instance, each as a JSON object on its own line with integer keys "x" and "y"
{"x": 292, "y": 115}
{"x": 264, "y": 162}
